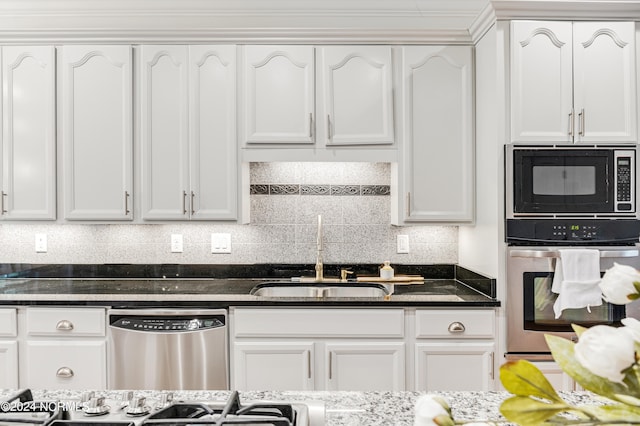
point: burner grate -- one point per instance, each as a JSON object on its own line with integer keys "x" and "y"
{"x": 233, "y": 413}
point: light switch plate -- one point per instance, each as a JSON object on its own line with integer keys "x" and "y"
{"x": 403, "y": 244}
{"x": 176, "y": 243}
{"x": 220, "y": 243}
{"x": 41, "y": 243}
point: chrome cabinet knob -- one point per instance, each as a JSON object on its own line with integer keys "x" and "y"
{"x": 64, "y": 325}
{"x": 64, "y": 373}
{"x": 456, "y": 327}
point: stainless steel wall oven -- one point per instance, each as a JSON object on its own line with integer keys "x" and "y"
{"x": 530, "y": 315}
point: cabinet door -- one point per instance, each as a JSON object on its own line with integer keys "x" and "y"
{"x": 28, "y": 135}
{"x": 365, "y": 366}
{"x": 8, "y": 364}
{"x": 273, "y": 365}
{"x": 457, "y": 366}
{"x": 355, "y": 87}
{"x": 97, "y": 131}
{"x": 213, "y": 159}
{"x": 164, "y": 132}
{"x": 65, "y": 364}
{"x": 438, "y": 164}
{"x": 279, "y": 94}
{"x": 554, "y": 374}
{"x": 541, "y": 82}
{"x": 605, "y": 82}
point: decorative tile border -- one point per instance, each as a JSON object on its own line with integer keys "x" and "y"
{"x": 293, "y": 189}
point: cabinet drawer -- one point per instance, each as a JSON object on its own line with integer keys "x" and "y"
{"x": 319, "y": 322}
{"x": 472, "y": 323}
{"x": 8, "y": 323}
{"x": 66, "y": 322}
{"x": 66, "y": 364}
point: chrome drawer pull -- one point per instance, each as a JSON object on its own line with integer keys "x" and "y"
{"x": 64, "y": 373}
{"x": 64, "y": 325}
{"x": 456, "y": 327}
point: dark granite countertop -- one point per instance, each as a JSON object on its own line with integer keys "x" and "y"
{"x": 224, "y": 285}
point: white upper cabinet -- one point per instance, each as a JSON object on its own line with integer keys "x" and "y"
{"x": 355, "y": 86}
{"x": 188, "y": 132}
{"x": 97, "y": 132}
{"x": 317, "y": 96}
{"x": 279, "y": 94}
{"x": 604, "y": 60}
{"x": 164, "y": 131}
{"x": 437, "y": 167}
{"x": 212, "y": 132}
{"x": 541, "y": 82}
{"x": 573, "y": 82}
{"x": 28, "y": 133}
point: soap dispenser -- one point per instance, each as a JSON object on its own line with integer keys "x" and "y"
{"x": 386, "y": 272}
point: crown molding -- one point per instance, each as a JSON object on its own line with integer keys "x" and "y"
{"x": 574, "y": 10}
{"x": 236, "y": 36}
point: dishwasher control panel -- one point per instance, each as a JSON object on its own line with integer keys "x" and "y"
{"x": 168, "y": 323}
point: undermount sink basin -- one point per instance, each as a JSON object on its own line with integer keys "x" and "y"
{"x": 319, "y": 289}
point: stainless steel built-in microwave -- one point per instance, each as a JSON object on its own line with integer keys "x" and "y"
{"x": 570, "y": 181}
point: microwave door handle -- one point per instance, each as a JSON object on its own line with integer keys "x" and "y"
{"x": 556, "y": 254}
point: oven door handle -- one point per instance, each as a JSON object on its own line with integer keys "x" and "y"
{"x": 556, "y": 253}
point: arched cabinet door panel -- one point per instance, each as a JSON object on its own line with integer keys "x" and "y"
{"x": 438, "y": 155}
{"x": 29, "y": 133}
{"x": 97, "y": 132}
{"x": 356, "y": 95}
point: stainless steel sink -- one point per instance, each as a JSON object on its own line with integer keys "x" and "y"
{"x": 319, "y": 289}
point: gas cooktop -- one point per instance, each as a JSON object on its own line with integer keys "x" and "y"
{"x": 132, "y": 410}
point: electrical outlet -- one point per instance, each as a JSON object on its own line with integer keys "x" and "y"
{"x": 41, "y": 243}
{"x": 403, "y": 244}
{"x": 220, "y": 243}
{"x": 176, "y": 243}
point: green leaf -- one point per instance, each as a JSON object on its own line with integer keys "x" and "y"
{"x": 613, "y": 413}
{"x": 578, "y": 329}
{"x": 528, "y": 411}
{"x": 633, "y": 296}
{"x": 524, "y": 379}
{"x": 636, "y": 284}
{"x": 563, "y": 353}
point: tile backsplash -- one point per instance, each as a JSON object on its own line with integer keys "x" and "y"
{"x": 286, "y": 198}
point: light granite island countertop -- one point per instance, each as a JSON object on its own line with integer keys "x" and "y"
{"x": 343, "y": 408}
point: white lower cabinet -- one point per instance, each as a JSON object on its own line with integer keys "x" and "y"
{"x": 274, "y": 365}
{"x": 317, "y": 349}
{"x": 454, "y": 349}
{"x": 8, "y": 349}
{"x": 365, "y": 366}
{"x": 362, "y": 349}
{"x": 560, "y": 380}
{"x": 67, "y": 364}
{"x": 63, "y": 347}
{"x": 454, "y": 366}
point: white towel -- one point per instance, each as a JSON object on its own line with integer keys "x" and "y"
{"x": 576, "y": 280}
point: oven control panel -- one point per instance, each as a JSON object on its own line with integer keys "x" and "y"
{"x": 572, "y": 231}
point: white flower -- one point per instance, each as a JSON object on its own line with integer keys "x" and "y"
{"x": 606, "y": 351}
{"x": 632, "y": 326}
{"x": 428, "y": 407}
{"x": 617, "y": 284}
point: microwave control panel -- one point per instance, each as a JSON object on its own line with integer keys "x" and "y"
{"x": 625, "y": 180}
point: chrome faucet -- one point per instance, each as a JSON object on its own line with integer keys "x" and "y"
{"x": 319, "y": 265}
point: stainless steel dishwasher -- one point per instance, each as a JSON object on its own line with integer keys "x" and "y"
{"x": 168, "y": 349}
